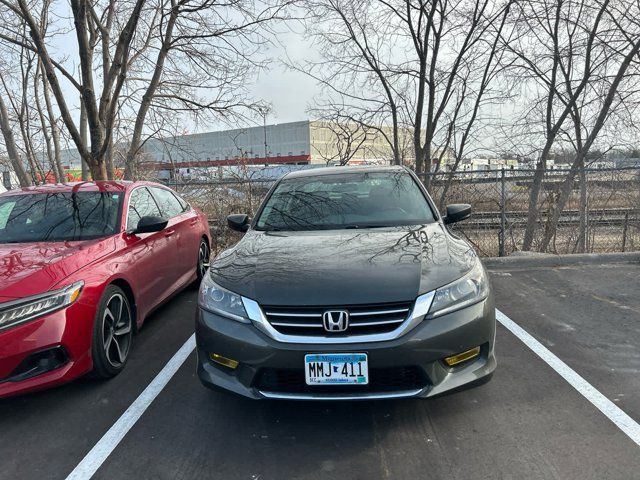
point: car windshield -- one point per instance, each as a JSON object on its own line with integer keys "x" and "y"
{"x": 60, "y": 216}
{"x": 352, "y": 200}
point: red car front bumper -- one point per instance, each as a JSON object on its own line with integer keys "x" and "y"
{"x": 68, "y": 331}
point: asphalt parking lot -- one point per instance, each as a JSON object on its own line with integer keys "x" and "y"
{"x": 528, "y": 422}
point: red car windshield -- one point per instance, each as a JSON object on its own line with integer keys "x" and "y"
{"x": 60, "y": 216}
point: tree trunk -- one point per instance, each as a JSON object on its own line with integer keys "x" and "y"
{"x": 582, "y": 233}
{"x": 108, "y": 159}
{"x": 534, "y": 196}
{"x": 10, "y": 145}
{"x": 45, "y": 129}
{"x": 55, "y": 131}
{"x": 83, "y": 134}
{"x": 131, "y": 166}
{"x": 98, "y": 169}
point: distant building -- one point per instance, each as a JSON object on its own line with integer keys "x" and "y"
{"x": 488, "y": 164}
{"x": 294, "y": 143}
{"x": 626, "y": 162}
{"x": 306, "y": 142}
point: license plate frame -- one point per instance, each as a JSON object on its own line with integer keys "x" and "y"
{"x": 321, "y": 369}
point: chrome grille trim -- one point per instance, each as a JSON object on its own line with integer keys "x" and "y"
{"x": 372, "y": 324}
{"x": 376, "y": 318}
{"x": 415, "y": 315}
{"x": 307, "y": 315}
{"x": 379, "y": 312}
{"x": 345, "y": 396}
{"x": 296, "y": 325}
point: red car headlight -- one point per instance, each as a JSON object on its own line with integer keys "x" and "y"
{"x": 30, "y": 308}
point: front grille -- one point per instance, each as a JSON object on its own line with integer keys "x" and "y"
{"x": 392, "y": 379}
{"x": 363, "y": 319}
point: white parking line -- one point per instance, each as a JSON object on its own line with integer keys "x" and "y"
{"x": 110, "y": 440}
{"x": 623, "y": 421}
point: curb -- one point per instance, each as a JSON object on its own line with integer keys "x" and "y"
{"x": 550, "y": 260}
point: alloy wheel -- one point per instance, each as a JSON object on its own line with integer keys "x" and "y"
{"x": 203, "y": 259}
{"x": 116, "y": 330}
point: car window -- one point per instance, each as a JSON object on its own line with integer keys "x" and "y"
{"x": 168, "y": 203}
{"x": 5, "y": 211}
{"x": 60, "y": 216}
{"x": 185, "y": 206}
{"x": 141, "y": 205}
{"x": 353, "y": 200}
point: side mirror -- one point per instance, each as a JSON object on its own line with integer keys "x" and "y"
{"x": 238, "y": 222}
{"x": 150, "y": 224}
{"x": 456, "y": 213}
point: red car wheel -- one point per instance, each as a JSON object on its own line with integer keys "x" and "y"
{"x": 112, "y": 333}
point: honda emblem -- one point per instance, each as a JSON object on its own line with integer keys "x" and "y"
{"x": 335, "y": 320}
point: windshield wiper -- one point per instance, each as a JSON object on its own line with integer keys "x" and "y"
{"x": 357, "y": 226}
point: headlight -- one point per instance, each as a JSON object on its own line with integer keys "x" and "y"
{"x": 470, "y": 289}
{"x": 218, "y": 300}
{"x": 24, "y": 309}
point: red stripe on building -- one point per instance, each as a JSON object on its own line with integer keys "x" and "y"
{"x": 229, "y": 162}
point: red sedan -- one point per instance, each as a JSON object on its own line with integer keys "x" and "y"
{"x": 82, "y": 266}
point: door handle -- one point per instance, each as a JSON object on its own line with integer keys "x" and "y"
{"x": 194, "y": 222}
{"x": 168, "y": 233}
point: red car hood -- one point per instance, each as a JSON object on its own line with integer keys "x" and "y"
{"x": 31, "y": 268}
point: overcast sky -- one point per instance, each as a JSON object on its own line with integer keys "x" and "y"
{"x": 289, "y": 92}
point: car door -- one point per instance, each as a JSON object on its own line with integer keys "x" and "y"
{"x": 193, "y": 235}
{"x": 179, "y": 228}
{"x": 152, "y": 254}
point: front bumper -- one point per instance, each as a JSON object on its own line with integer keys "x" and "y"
{"x": 65, "y": 335}
{"x": 409, "y": 366}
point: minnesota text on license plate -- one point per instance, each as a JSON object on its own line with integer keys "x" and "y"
{"x": 336, "y": 368}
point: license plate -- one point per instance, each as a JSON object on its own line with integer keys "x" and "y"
{"x": 336, "y": 368}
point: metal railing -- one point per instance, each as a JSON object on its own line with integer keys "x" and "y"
{"x": 602, "y": 213}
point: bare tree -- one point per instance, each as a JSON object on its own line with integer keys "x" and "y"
{"x": 204, "y": 53}
{"x": 188, "y": 56}
{"x": 10, "y": 145}
{"x": 411, "y": 65}
{"x": 344, "y": 140}
{"x": 557, "y": 54}
{"x": 614, "y": 86}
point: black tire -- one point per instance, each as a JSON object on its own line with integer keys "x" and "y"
{"x": 112, "y": 333}
{"x": 204, "y": 254}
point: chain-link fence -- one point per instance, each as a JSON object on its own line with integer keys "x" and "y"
{"x": 602, "y": 213}
{"x": 221, "y": 198}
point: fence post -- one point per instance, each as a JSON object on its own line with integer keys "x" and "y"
{"x": 503, "y": 215}
{"x": 587, "y": 239}
{"x": 625, "y": 227}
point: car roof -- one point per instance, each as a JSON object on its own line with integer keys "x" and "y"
{"x": 99, "y": 186}
{"x": 317, "y": 172}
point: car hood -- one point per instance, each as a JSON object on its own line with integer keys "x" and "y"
{"x": 31, "y": 268}
{"x": 342, "y": 267}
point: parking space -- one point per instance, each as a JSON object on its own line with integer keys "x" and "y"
{"x": 588, "y": 315}
{"x": 528, "y": 422}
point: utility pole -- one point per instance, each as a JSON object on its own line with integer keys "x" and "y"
{"x": 264, "y": 128}
{"x": 264, "y": 111}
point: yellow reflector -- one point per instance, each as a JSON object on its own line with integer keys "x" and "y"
{"x": 75, "y": 294}
{"x": 462, "y": 357}
{"x": 227, "y": 362}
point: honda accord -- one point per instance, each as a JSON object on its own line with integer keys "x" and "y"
{"x": 347, "y": 284}
{"x": 83, "y": 265}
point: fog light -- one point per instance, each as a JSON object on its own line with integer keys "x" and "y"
{"x": 462, "y": 357}
{"x": 227, "y": 362}
{"x": 39, "y": 363}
